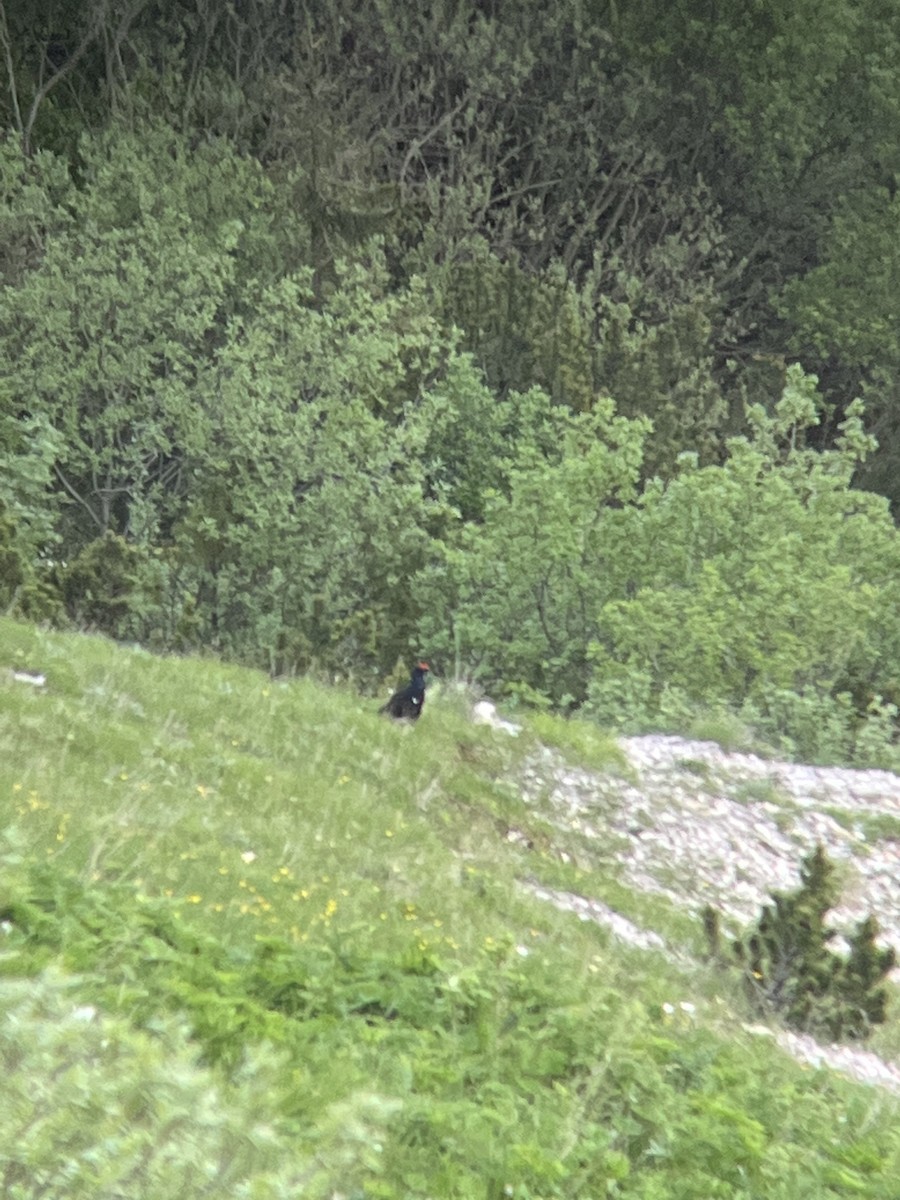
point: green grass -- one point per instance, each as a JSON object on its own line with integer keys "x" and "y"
{"x": 724, "y": 728}
{"x": 874, "y": 827}
{"x": 581, "y": 742}
{"x": 762, "y": 791}
{"x": 259, "y": 942}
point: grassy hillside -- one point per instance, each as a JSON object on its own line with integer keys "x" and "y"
{"x": 259, "y": 942}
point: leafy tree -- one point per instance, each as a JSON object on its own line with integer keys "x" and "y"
{"x": 514, "y": 600}
{"x": 123, "y": 299}
{"x": 24, "y": 590}
{"x": 210, "y": 356}
{"x": 27, "y": 533}
{"x": 776, "y": 121}
{"x": 309, "y": 513}
{"x": 767, "y": 575}
{"x": 535, "y": 198}
{"x": 767, "y": 572}
{"x": 29, "y": 446}
{"x": 611, "y": 335}
{"x": 843, "y": 312}
{"x": 680, "y": 167}
{"x": 473, "y": 437}
{"x": 52, "y": 51}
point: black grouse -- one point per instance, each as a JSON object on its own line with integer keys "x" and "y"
{"x": 407, "y": 702}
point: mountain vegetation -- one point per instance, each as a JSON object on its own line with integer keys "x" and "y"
{"x": 558, "y": 346}
{"x": 258, "y": 941}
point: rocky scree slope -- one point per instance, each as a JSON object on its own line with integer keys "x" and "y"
{"x": 698, "y": 825}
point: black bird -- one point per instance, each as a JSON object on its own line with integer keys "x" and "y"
{"x": 408, "y": 701}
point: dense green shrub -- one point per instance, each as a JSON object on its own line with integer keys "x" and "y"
{"x": 111, "y": 585}
{"x": 26, "y": 587}
{"x": 769, "y": 572}
{"x": 762, "y": 585}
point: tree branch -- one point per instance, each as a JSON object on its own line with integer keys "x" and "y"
{"x": 78, "y": 498}
{"x": 57, "y": 77}
{"x": 10, "y": 68}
